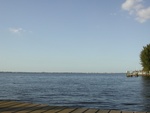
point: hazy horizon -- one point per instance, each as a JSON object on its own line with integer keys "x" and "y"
{"x": 63, "y": 72}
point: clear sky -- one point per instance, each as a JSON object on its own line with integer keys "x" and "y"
{"x": 73, "y": 35}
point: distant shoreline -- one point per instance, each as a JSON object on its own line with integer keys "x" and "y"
{"x": 61, "y": 72}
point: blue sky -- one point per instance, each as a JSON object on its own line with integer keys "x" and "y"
{"x": 73, "y": 35}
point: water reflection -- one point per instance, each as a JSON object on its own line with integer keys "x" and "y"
{"x": 146, "y": 92}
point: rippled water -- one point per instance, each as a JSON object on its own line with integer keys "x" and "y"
{"x": 103, "y": 91}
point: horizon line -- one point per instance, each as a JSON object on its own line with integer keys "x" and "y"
{"x": 63, "y": 72}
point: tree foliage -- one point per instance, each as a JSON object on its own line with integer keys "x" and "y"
{"x": 145, "y": 58}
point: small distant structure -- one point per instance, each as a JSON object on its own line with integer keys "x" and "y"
{"x": 137, "y": 73}
{"x": 132, "y": 73}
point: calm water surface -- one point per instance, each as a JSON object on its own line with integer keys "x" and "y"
{"x": 103, "y": 91}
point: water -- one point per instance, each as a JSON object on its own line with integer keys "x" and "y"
{"x": 103, "y": 91}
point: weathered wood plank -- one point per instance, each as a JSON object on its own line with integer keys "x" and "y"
{"x": 67, "y": 110}
{"x": 80, "y": 110}
{"x": 91, "y": 111}
{"x": 140, "y": 112}
{"x": 15, "y": 107}
{"x": 115, "y": 111}
{"x": 43, "y": 109}
{"x": 127, "y": 112}
{"x": 103, "y": 111}
{"x": 9, "y": 102}
{"x": 6, "y": 104}
{"x": 30, "y": 108}
{"x": 3, "y": 102}
{"x": 57, "y": 109}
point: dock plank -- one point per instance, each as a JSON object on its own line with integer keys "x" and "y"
{"x": 55, "y": 110}
{"x": 91, "y": 111}
{"x": 3, "y": 102}
{"x": 41, "y": 110}
{"x": 80, "y": 110}
{"x": 115, "y": 111}
{"x": 29, "y": 109}
{"x": 127, "y": 112}
{"x": 15, "y": 107}
{"x": 103, "y": 111}
{"x": 140, "y": 112}
{"x": 8, "y": 105}
{"x": 67, "y": 110}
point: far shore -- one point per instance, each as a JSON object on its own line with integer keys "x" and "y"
{"x": 61, "y": 72}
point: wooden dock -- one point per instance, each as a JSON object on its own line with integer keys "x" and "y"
{"x": 21, "y": 107}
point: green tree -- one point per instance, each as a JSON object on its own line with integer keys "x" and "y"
{"x": 145, "y": 58}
